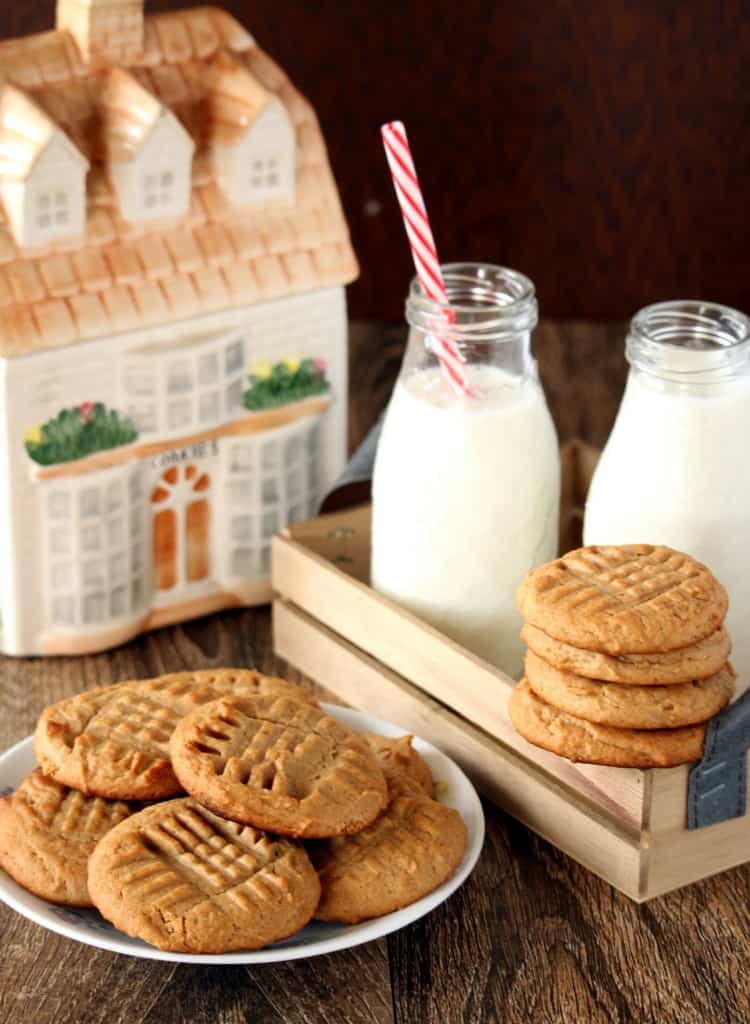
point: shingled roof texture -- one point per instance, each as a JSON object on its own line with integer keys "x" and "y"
{"x": 123, "y": 276}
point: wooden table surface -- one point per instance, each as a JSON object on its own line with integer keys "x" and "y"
{"x": 531, "y": 937}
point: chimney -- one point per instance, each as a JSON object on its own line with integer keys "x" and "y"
{"x": 104, "y": 29}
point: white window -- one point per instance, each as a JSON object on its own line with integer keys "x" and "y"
{"x": 179, "y": 414}
{"x": 242, "y": 458}
{"x": 297, "y": 512}
{"x": 209, "y": 406}
{"x": 62, "y": 576}
{"x": 242, "y": 528}
{"x": 47, "y": 199}
{"x": 268, "y": 485}
{"x": 208, "y": 369}
{"x": 95, "y": 548}
{"x": 116, "y": 532}
{"x": 292, "y": 451}
{"x": 52, "y": 209}
{"x": 145, "y": 418}
{"x": 234, "y": 397}
{"x": 241, "y": 491}
{"x": 114, "y": 496}
{"x": 158, "y": 189}
{"x": 60, "y": 541}
{"x": 270, "y": 455}
{"x": 270, "y": 525}
{"x": 89, "y": 500}
{"x": 245, "y": 563}
{"x": 270, "y": 490}
{"x": 139, "y": 381}
{"x": 58, "y": 504}
{"x": 261, "y": 164}
{"x": 234, "y": 357}
{"x": 185, "y": 388}
{"x": 179, "y": 377}
{"x": 266, "y": 172}
{"x": 63, "y": 611}
{"x": 294, "y": 483}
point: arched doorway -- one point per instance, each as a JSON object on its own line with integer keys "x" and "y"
{"x": 182, "y": 520}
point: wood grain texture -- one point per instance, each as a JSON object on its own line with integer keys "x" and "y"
{"x": 531, "y": 937}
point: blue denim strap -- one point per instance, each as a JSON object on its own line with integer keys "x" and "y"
{"x": 717, "y": 789}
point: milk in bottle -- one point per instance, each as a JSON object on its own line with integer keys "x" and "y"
{"x": 676, "y": 468}
{"x": 466, "y": 488}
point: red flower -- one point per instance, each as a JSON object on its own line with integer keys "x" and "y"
{"x": 86, "y": 411}
{"x": 320, "y": 365}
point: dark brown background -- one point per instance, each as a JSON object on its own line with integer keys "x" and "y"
{"x": 602, "y": 146}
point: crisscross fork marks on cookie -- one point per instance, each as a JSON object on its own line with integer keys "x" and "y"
{"x": 87, "y": 816}
{"x": 263, "y": 763}
{"x": 40, "y": 799}
{"x": 137, "y": 720}
{"x": 279, "y": 765}
{"x": 189, "y": 859}
{"x": 66, "y": 812}
{"x": 624, "y": 600}
{"x": 210, "y": 860}
{"x": 613, "y": 583}
{"x": 184, "y": 879}
{"x": 276, "y": 756}
{"x": 249, "y": 751}
{"x": 256, "y": 740}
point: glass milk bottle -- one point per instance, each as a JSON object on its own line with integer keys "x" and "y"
{"x": 676, "y": 468}
{"x": 466, "y": 488}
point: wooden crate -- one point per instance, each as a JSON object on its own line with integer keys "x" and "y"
{"x": 626, "y": 825}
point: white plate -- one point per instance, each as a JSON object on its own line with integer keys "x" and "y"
{"x": 89, "y": 927}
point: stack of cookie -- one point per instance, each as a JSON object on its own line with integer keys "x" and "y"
{"x": 223, "y": 868}
{"x": 627, "y": 656}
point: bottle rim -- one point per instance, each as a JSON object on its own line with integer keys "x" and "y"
{"x": 484, "y": 300}
{"x": 690, "y": 341}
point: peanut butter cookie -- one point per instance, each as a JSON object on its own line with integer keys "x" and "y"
{"x": 411, "y": 849}
{"x": 630, "y": 707}
{"x": 47, "y": 833}
{"x": 578, "y": 740}
{"x": 683, "y": 665}
{"x": 182, "y": 879}
{"x": 277, "y": 764}
{"x": 632, "y": 599}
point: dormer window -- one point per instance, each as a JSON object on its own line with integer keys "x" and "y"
{"x": 253, "y": 141}
{"x": 149, "y": 152}
{"x": 52, "y": 208}
{"x": 158, "y": 189}
{"x": 42, "y": 174}
{"x": 265, "y": 174}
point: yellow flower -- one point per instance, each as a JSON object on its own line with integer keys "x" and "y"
{"x": 262, "y": 370}
{"x": 291, "y": 363}
{"x": 33, "y": 435}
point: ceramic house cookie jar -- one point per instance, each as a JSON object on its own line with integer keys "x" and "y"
{"x": 173, "y": 257}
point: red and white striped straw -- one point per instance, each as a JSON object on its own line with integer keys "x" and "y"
{"x": 423, "y": 250}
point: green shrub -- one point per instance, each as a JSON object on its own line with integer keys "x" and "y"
{"x": 290, "y": 380}
{"x": 77, "y": 432}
